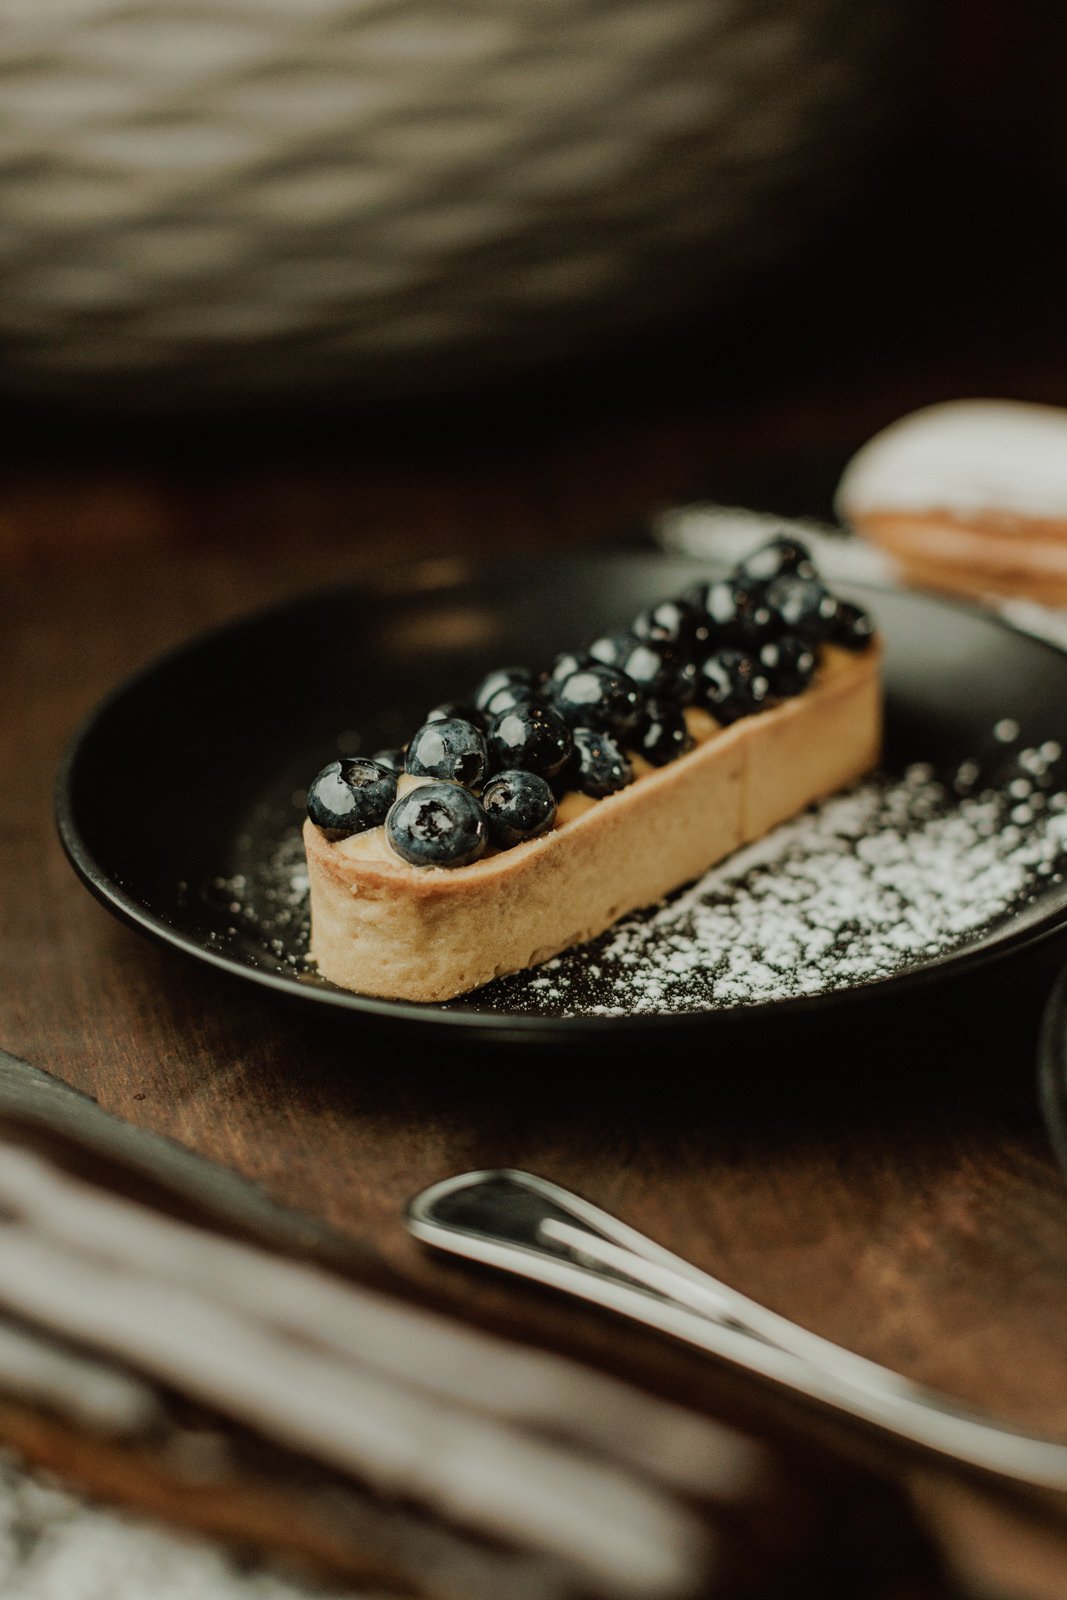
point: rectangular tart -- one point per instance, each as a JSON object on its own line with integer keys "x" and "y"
{"x": 382, "y": 927}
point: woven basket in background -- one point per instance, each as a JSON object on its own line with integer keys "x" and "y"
{"x": 251, "y": 194}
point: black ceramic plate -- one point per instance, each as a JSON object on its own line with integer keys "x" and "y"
{"x": 179, "y": 799}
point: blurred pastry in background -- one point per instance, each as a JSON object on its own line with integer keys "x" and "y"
{"x": 969, "y": 496}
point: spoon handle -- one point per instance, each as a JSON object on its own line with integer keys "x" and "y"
{"x": 528, "y": 1226}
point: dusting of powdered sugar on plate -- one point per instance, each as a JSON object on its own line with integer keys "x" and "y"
{"x": 899, "y": 870}
{"x": 888, "y": 874}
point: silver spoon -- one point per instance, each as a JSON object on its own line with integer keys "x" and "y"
{"x": 526, "y": 1225}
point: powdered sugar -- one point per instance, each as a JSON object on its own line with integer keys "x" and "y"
{"x": 965, "y": 456}
{"x": 893, "y": 872}
{"x": 266, "y": 904}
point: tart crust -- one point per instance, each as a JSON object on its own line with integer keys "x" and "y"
{"x": 382, "y": 927}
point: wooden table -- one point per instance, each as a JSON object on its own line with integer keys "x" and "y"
{"x": 886, "y": 1182}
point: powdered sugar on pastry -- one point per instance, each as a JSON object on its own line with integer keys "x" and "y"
{"x": 965, "y": 457}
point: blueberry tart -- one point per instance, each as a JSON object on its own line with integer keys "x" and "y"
{"x": 570, "y": 792}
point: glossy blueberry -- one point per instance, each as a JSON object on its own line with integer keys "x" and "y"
{"x": 610, "y": 650}
{"x": 736, "y": 610}
{"x": 564, "y": 665}
{"x": 789, "y": 663}
{"x": 506, "y": 697}
{"x": 393, "y": 759}
{"x": 777, "y": 558}
{"x": 454, "y": 750}
{"x": 518, "y": 805}
{"x": 351, "y": 795}
{"x": 660, "y": 670}
{"x": 662, "y": 735}
{"x": 853, "y": 627}
{"x": 600, "y": 697}
{"x": 680, "y": 623}
{"x": 531, "y": 738}
{"x": 437, "y": 825}
{"x": 732, "y": 684}
{"x": 496, "y": 680}
{"x": 450, "y": 710}
{"x": 599, "y": 766}
{"x": 804, "y": 606}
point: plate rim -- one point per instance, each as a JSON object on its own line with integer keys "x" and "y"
{"x": 439, "y": 572}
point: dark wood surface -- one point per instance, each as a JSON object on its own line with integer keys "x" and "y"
{"x": 886, "y": 1182}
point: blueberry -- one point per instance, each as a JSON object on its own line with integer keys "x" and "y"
{"x": 736, "y": 609}
{"x": 496, "y": 680}
{"x": 393, "y": 759}
{"x": 530, "y": 737}
{"x": 453, "y": 750}
{"x": 437, "y": 825}
{"x": 732, "y": 684}
{"x": 853, "y": 627}
{"x": 351, "y": 795}
{"x": 450, "y": 710}
{"x": 681, "y": 623}
{"x": 659, "y": 670}
{"x": 784, "y": 556}
{"x": 507, "y": 697}
{"x": 599, "y": 766}
{"x": 600, "y": 697}
{"x": 609, "y": 650}
{"x": 518, "y": 805}
{"x": 564, "y": 665}
{"x": 789, "y": 663}
{"x": 804, "y": 606}
{"x": 662, "y": 735}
